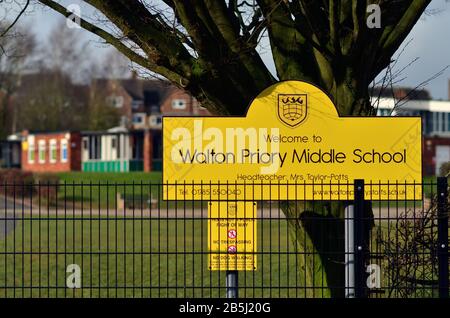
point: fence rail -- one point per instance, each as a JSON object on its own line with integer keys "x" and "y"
{"x": 124, "y": 240}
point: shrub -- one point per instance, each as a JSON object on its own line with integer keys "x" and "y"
{"x": 46, "y": 185}
{"x": 444, "y": 170}
{"x": 15, "y": 182}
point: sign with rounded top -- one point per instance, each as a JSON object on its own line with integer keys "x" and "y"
{"x": 291, "y": 145}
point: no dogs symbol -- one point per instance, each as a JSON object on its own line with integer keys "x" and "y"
{"x": 232, "y": 234}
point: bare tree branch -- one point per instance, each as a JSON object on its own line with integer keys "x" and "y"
{"x": 22, "y": 11}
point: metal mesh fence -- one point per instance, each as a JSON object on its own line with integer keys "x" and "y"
{"x": 123, "y": 240}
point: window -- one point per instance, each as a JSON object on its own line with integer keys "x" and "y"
{"x": 95, "y": 147}
{"x": 118, "y": 139}
{"x": 179, "y": 104}
{"x": 384, "y": 112}
{"x": 41, "y": 149}
{"x": 138, "y": 119}
{"x": 52, "y": 151}
{"x": 155, "y": 120}
{"x": 116, "y": 101}
{"x": 443, "y": 122}
{"x": 448, "y": 121}
{"x": 429, "y": 122}
{"x": 113, "y": 142}
{"x": 64, "y": 150}
{"x": 438, "y": 122}
{"x": 31, "y": 151}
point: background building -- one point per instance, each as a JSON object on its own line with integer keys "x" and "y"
{"x": 435, "y": 116}
{"x": 51, "y": 151}
{"x": 119, "y": 150}
{"x": 10, "y": 154}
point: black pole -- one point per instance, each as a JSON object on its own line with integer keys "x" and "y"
{"x": 349, "y": 251}
{"x": 359, "y": 238}
{"x": 232, "y": 284}
{"x": 442, "y": 190}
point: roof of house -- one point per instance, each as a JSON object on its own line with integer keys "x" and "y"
{"x": 136, "y": 87}
{"x": 51, "y": 132}
{"x": 400, "y": 92}
{"x": 425, "y": 105}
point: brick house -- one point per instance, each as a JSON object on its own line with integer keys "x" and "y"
{"x": 181, "y": 103}
{"x": 436, "y": 151}
{"x": 147, "y": 101}
{"x": 142, "y": 103}
{"x": 135, "y": 99}
{"x": 115, "y": 95}
{"x": 51, "y": 151}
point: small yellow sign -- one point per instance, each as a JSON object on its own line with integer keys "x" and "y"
{"x": 291, "y": 145}
{"x": 232, "y": 235}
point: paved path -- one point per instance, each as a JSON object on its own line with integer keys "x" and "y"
{"x": 383, "y": 213}
{"x": 7, "y": 220}
{"x": 10, "y": 210}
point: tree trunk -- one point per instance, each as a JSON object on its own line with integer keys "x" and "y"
{"x": 317, "y": 228}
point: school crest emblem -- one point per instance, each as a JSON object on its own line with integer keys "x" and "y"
{"x": 292, "y": 108}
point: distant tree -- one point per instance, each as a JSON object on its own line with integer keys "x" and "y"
{"x": 101, "y": 114}
{"x": 50, "y": 101}
{"x": 61, "y": 92}
{"x": 17, "y": 47}
{"x": 10, "y": 15}
{"x": 66, "y": 52}
{"x": 211, "y": 48}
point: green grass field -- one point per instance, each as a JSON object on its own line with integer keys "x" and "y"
{"x": 99, "y": 189}
{"x": 111, "y": 177}
{"x": 122, "y": 257}
{"x": 159, "y": 258}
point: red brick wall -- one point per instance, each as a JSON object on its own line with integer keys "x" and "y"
{"x": 110, "y": 89}
{"x": 166, "y": 107}
{"x": 192, "y": 106}
{"x": 148, "y": 151}
{"x": 73, "y": 153}
{"x": 429, "y": 153}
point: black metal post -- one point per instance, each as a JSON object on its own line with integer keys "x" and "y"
{"x": 359, "y": 239}
{"x": 349, "y": 251}
{"x": 232, "y": 284}
{"x": 442, "y": 190}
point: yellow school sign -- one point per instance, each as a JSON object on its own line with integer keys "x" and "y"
{"x": 289, "y": 145}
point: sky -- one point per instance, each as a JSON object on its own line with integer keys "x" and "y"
{"x": 429, "y": 41}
